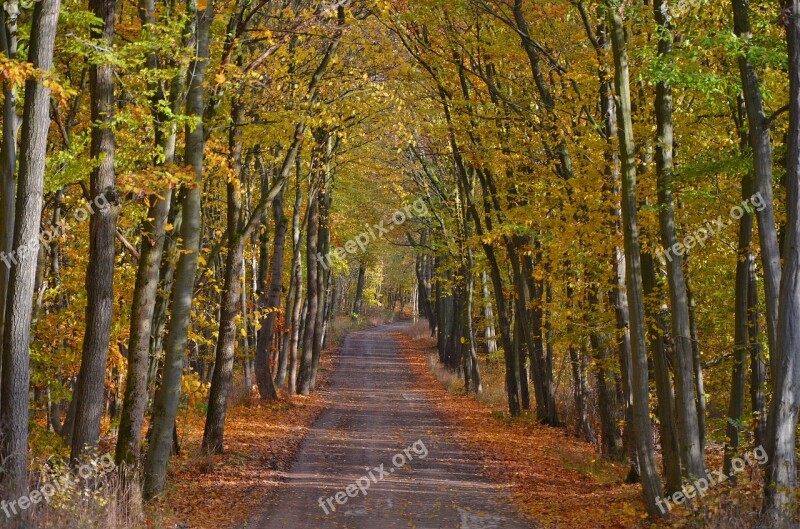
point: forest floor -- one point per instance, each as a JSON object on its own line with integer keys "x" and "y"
{"x": 223, "y": 492}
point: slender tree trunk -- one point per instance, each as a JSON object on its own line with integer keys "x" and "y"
{"x": 214, "y": 433}
{"x": 247, "y": 363}
{"x": 168, "y": 395}
{"x": 294, "y": 298}
{"x": 359, "y": 291}
{"x": 697, "y": 366}
{"x": 625, "y": 353}
{"x": 488, "y": 315}
{"x": 297, "y": 312}
{"x": 145, "y": 294}
{"x": 757, "y": 365}
{"x": 610, "y": 436}
{"x": 28, "y": 210}
{"x": 142, "y": 309}
{"x": 297, "y": 282}
{"x": 475, "y": 385}
{"x": 688, "y": 427}
{"x": 166, "y": 276}
{"x": 651, "y": 483}
{"x": 781, "y": 473}
{"x": 760, "y": 142}
{"x": 577, "y": 357}
{"x": 741, "y": 339}
{"x": 523, "y": 340}
{"x": 102, "y": 235}
{"x": 8, "y": 157}
{"x": 658, "y": 335}
{"x": 323, "y": 244}
{"x": 266, "y": 386}
{"x": 306, "y": 375}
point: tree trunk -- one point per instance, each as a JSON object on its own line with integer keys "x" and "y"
{"x": 741, "y": 338}
{"x": 359, "y": 291}
{"x": 488, "y": 315}
{"x": 294, "y": 297}
{"x": 266, "y": 386}
{"x": 19, "y": 302}
{"x": 651, "y": 483}
{"x": 625, "y": 362}
{"x": 168, "y": 395}
{"x": 472, "y": 367}
{"x": 305, "y": 377}
{"x": 214, "y": 433}
{"x": 145, "y": 294}
{"x": 8, "y": 157}
{"x": 224, "y": 358}
{"x": 697, "y": 366}
{"x": 102, "y": 235}
{"x": 577, "y": 357}
{"x": 760, "y": 142}
{"x": 781, "y": 473}
{"x": 297, "y": 282}
{"x": 757, "y": 365}
{"x": 658, "y": 336}
{"x": 610, "y": 437}
{"x": 142, "y": 309}
{"x": 688, "y": 428}
{"x": 323, "y": 243}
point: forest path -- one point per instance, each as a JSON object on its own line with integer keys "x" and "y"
{"x": 378, "y": 415}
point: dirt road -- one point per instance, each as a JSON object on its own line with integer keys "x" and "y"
{"x": 379, "y": 458}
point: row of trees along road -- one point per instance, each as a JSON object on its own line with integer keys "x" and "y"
{"x": 571, "y": 156}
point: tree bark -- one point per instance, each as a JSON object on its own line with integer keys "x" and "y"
{"x": 488, "y": 315}
{"x": 760, "y": 143}
{"x": 294, "y": 297}
{"x": 757, "y": 365}
{"x": 102, "y": 235}
{"x": 472, "y": 367}
{"x": 741, "y": 337}
{"x": 323, "y": 245}
{"x": 781, "y": 473}
{"x": 651, "y": 483}
{"x": 8, "y": 157}
{"x": 688, "y": 427}
{"x": 305, "y": 377}
{"x": 611, "y": 446}
{"x": 19, "y": 302}
{"x": 168, "y": 395}
{"x": 145, "y": 294}
{"x": 359, "y": 291}
{"x": 297, "y": 284}
{"x": 214, "y": 432}
{"x": 271, "y": 304}
{"x": 657, "y": 340}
